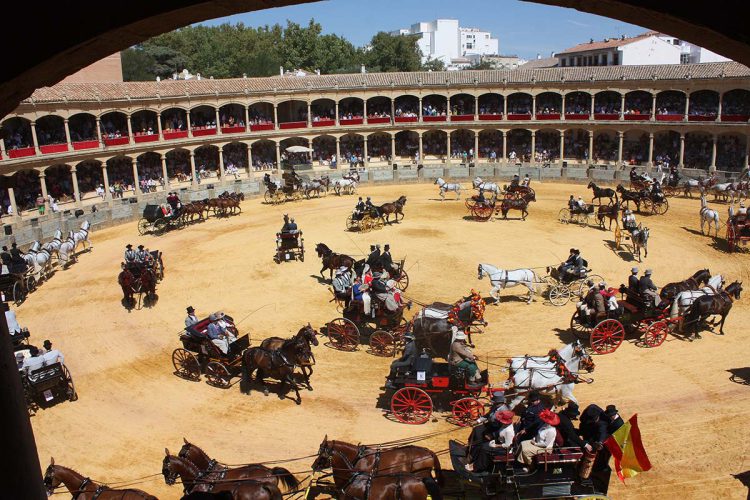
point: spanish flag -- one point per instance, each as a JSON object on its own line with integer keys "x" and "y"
{"x": 627, "y": 449}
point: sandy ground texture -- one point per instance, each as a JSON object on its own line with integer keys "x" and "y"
{"x": 692, "y": 417}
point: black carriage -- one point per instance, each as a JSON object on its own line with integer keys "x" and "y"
{"x": 289, "y": 246}
{"x": 556, "y": 475}
{"x": 430, "y": 385}
{"x": 517, "y": 192}
{"x": 290, "y": 191}
{"x": 16, "y": 286}
{"x": 199, "y": 355}
{"x": 384, "y": 329}
{"x": 654, "y": 203}
{"x": 159, "y": 218}
{"x": 562, "y": 287}
{"x": 577, "y": 215}
{"x": 635, "y": 315}
{"x": 738, "y": 231}
{"x": 47, "y": 386}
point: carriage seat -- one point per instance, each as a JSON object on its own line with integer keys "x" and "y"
{"x": 559, "y": 456}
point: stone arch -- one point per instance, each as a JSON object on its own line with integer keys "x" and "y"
{"x": 207, "y": 161}
{"x": 16, "y": 133}
{"x": 378, "y": 109}
{"x": 704, "y": 105}
{"x": 490, "y": 144}
{"x": 577, "y": 105}
{"x": 263, "y": 153}
{"x": 635, "y": 147}
{"x": 232, "y": 116}
{"x": 490, "y": 105}
{"x": 145, "y": 121}
{"x": 434, "y": 143}
{"x": 50, "y": 129}
{"x": 27, "y": 188}
{"x": 698, "y": 149}
{"x": 519, "y": 104}
{"x": 59, "y": 182}
{"x": 82, "y": 127}
{"x": 406, "y": 106}
{"x": 149, "y": 168}
{"x": 323, "y": 110}
{"x": 120, "y": 174}
{"x": 173, "y": 119}
{"x": 606, "y": 145}
{"x": 178, "y": 165}
{"x": 731, "y": 149}
{"x": 666, "y": 147}
{"x": 462, "y": 144}
{"x": 519, "y": 144}
{"x": 324, "y": 149}
{"x": 576, "y": 142}
{"x": 203, "y": 120}
{"x": 670, "y": 103}
{"x": 607, "y": 105}
{"x": 260, "y": 115}
{"x": 735, "y": 105}
{"x": 352, "y": 144}
{"x": 638, "y": 103}
{"x": 407, "y": 144}
{"x": 462, "y": 105}
{"x": 549, "y": 104}
{"x": 546, "y": 145}
{"x": 379, "y": 146}
{"x": 235, "y": 155}
{"x": 89, "y": 173}
{"x": 292, "y": 111}
{"x": 351, "y": 108}
{"x": 114, "y": 125}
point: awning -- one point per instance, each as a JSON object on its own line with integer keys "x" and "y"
{"x": 298, "y": 149}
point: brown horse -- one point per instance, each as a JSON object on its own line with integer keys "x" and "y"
{"x": 194, "y": 482}
{"x": 377, "y": 483}
{"x": 83, "y": 488}
{"x": 333, "y": 260}
{"x": 278, "y": 364}
{"x": 612, "y": 212}
{"x": 520, "y": 202}
{"x": 306, "y": 334}
{"x": 130, "y": 284}
{"x": 396, "y": 208}
{"x": 257, "y": 472}
{"x": 190, "y": 210}
{"x": 708, "y": 305}
{"x": 670, "y": 290}
{"x": 435, "y": 334}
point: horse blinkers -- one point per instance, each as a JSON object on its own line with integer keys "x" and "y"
{"x": 170, "y": 476}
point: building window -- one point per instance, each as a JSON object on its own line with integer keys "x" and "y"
{"x": 685, "y": 58}
{"x": 603, "y": 59}
{"x": 469, "y": 45}
{"x": 562, "y": 62}
{"x": 615, "y": 59}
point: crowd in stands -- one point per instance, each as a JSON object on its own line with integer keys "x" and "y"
{"x": 173, "y": 122}
{"x": 703, "y": 104}
{"x": 547, "y": 145}
{"x": 736, "y": 103}
{"x": 519, "y": 104}
{"x": 698, "y": 150}
{"x": 607, "y": 103}
{"x": 50, "y": 132}
{"x": 145, "y": 124}
{"x": 548, "y": 104}
{"x": 666, "y": 147}
{"x": 434, "y": 144}
{"x": 670, "y": 103}
{"x": 379, "y": 147}
{"x": 635, "y": 150}
{"x": 82, "y": 128}
{"x": 490, "y": 107}
{"x": 463, "y": 106}
{"x": 114, "y": 126}
{"x": 264, "y": 155}
{"x": 231, "y": 120}
{"x": 350, "y": 111}
{"x": 605, "y": 147}
{"x": 18, "y": 136}
{"x": 638, "y": 104}
{"x": 202, "y": 120}
{"x": 576, "y": 144}
{"x": 730, "y": 152}
{"x": 437, "y": 109}
{"x": 577, "y": 103}
{"x": 406, "y": 111}
{"x": 257, "y": 117}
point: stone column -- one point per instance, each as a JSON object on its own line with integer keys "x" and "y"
{"x": 421, "y": 150}
{"x": 620, "y": 137}
{"x": 747, "y": 151}
{"x": 67, "y": 133}
{"x": 562, "y": 145}
{"x": 76, "y": 189}
{"x": 505, "y": 109}
{"x": 653, "y": 107}
{"x": 34, "y": 139}
{"x": 247, "y": 118}
{"x": 364, "y": 151}
{"x": 476, "y": 148}
{"x": 138, "y": 193}
{"x": 650, "y": 149}
{"x": 364, "y": 111}
{"x": 476, "y": 108}
{"x": 338, "y": 153}
{"x": 13, "y": 206}
{"x": 249, "y": 158}
{"x": 393, "y": 147}
{"x": 687, "y": 107}
{"x": 622, "y": 106}
{"x": 221, "y": 165}
{"x": 218, "y": 123}
{"x": 193, "y": 178}
{"x": 130, "y": 129}
{"x": 393, "y": 111}
{"x": 591, "y": 146}
{"x": 337, "y": 112}
{"x": 718, "y": 112}
{"x": 681, "y": 164}
{"x": 309, "y": 114}
{"x": 533, "y": 147}
{"x": 713, "y": 151}
{"x": 533, "y": 107}
{"x": 448, "y": 109}
{"x": 562, "y": 110}
{"x": 43, "y": 185}
{"x": 158, "y": 127}
{"x": 105, "y": 178}
{"x": 165, "y": 172}
{"x": 275, "y": 116}
{"x": 591, "y": 114}
{"x": 419, "y": 112}
{"x": 505, "y": 145}
{"x": 278, "y": 157}
{"x": 189, "y": 124}
{"x": 2, "y": 148}
{"x": 99, "y": 132}
{"x": 448, "y": 147}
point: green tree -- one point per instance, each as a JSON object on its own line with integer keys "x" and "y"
{"x": 167, "y": 60}
{"x": 433, "y": 65}
{"x": 482, "y": 65}
{"x": 137, "y": 65}
{"x": 393, "y": 53}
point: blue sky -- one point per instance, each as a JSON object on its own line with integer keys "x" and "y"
{"x": 524, "y": 29}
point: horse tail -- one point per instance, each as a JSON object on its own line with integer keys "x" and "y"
{"x": 245, "y": 382}
{"x": 438, "y": 471}
{"x": 432, "y": 488}
{"x": 286, "y": 478}
{"x": 675, "y": 309}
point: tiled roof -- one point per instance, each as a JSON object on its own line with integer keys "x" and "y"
{"x": 265, "y": 86}
{"x": 547, "y": 62}
{"x": 608, "y": 44}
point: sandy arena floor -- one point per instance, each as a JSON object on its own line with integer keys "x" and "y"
{"x": 692, "y": 417}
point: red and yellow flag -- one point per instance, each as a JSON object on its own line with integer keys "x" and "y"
{"x": 627, "y": 449}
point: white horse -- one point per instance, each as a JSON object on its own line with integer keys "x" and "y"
{"x": 501, "y": 278}
{"x": 526, "y": 362}
{"x": 725, "y": 191}
{"x": 347, "y": 185}
{"x": 710, "y": 216}
{"x": 683, "y": 300}
{"x": 445, "y": 187}
{"x": 53, "y": 246}
{"x": 545, "y": 380}
{"x": 478, "y": 183}
{"x": 40, "y": 259}
{"x": 639, "y": 238}
{"x": 67, "y": 251}
{"x": 82, "y": 236}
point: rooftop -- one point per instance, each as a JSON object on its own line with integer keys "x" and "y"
{"x": 607, "y": 43}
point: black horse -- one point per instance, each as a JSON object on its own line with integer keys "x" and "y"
{"x": 278, "y": 364}
{"x": 332, "y": 260}
{"x": 709, "y": 305}
{"x": 628, "y": 196}
{"x": 435, "y": 334}
{"x": 670, "y": 290}
{"x": 602, "y": 193}
{"x": 308, "y": 335}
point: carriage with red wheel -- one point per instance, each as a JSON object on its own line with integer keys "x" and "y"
{"x": 198, "y": 355}
{"x": 383, "y": 329}
{"x": 635, "y": 316}
{"x": 738, "y": 231}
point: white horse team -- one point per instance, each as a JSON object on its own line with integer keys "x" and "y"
{"x": 39, "y": 257}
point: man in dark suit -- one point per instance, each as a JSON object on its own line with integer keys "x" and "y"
{"x": 386, "y": 261}
{"x": 614, "y": 421}
{"x": 530, "y": 422}
{"x": 633, "y": 284}
{"x": 646, "y": 287}
{"x": 405, "y": 362}
{"x": 567, "y": 429}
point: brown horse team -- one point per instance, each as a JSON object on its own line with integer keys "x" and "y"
{"x": 131, "y": 284}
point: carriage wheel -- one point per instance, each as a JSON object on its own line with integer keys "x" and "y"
{"x": 344, "y": 334}
{"x": 351, "y": 224}
{"x": 30, "y": 283}
{"x": 618, "y": 237}
{"x": 278, "y": 198}
{"x": 661, "y": 208}
{"x": 71, "y": 390}
{"x": 656, "y": 333}
{"x": 578, "y": 329}
{"x": 469, "y": 203}
{"x": 411, "y": 405}
{"x": 731, "y": 237}
{"x": 382, "y": 344}
{"x": 564, "y": 215}
{"x": 19, "y": 294}
{"x": 647, "y": 205}
{"x": 401, "y": 329}
{"x": 186, "y": 365}
{"x": 160, "y": 226}
{"x": 583, "y": 288}
{"x": 482, "y": 213}
{"x": 559, "y": 295}
{"x": 402, "y": 283}
{"x": 466, "y": 411}
{"x": 607, "y": 336}
{"x": 143, "y": 226}
{"x": 217, "y": 375}
{"x": 268, "y": 197}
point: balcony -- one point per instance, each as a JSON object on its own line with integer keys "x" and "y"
{"x": 351, "y": 121}
{"x": 324, "y": 123}
{"x": 405, "y": 119}
{"x": 379, "y": 119}
{"x": 288, "y": 125}
{"x": 582, "y": 116}
{"x": 519, "y": 116}
{"x": 154, "y": 137}
{"x": 734, "y": 118}
{"x": 670, "y": 118}
{"x": 490, "y": 117}
{"x": 203, "y": 131}
{"x": 21, "y": 152}
{"x": 462, "y": 118}
{"x": 91, "y": 144}
{"x": 434, "y": 118}
{"x": 259, "y": 127}
{"x": 53, "y": 148}
{"x": 169, "y": 136}
{"x": 233, "y": 130}
{"x": 702, "y": 118}
{"x": 638, "y": 117}
{"x": 116, "y": 141}
{"x": 606, "y": 116}
{"x": 548, "y": 116}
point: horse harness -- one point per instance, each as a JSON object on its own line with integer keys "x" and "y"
{"x": 82, "y": 487}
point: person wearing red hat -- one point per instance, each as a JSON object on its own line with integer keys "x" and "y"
{"x": 543, "y": 441}
{"x": 501, "y": 439}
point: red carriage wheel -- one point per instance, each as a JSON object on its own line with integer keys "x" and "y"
{"x": 401, "y": 329}
{"x": 402, "y": 283}
{"x": 217, "y": 375}
{"x": 411, "y": 405}
{"x": 382, "y": 344}
{"x": 482, "y": 212}
{"x": 731, "y": 236}
{"x": 466, "y": 411}
{"x": 470, "y": 203}
{"x": 186, "y": 365}
{"x": 656, "y": 333}
{"x": 580, "y": 330}
{"x": 607, "y": 336}
{"x": 344, "y": 334}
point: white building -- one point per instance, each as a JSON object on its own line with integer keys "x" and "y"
{"x": 691, "y": 53}
{"x": 445, "y": 40}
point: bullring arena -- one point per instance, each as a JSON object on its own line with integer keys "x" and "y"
{"x": 689, "y": 398}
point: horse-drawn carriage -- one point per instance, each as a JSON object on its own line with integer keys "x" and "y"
{"x": 563, "y": 286}
{"x": 16, "y": 286}
{"x": 483, "y": 210}
{"x": 385, "y": 329}
{"x": 289, "y": 246}
{"x": 198, "y": 355}
{"x": 46, "y": 385}
{"x": 364, "y": 221}
{"x": 638, "y": 239}
{"x": 738, "y": 231}
{"x": 605, "y": 333}
{"x": 159, "y": 218}
{"x": 290, "y": 190}
{"x": 577, "y": 215}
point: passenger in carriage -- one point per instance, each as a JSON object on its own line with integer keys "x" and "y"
{"x": 360, "y": 208}
{"x": 593, "y": 427}
{"x": 405, "y": 362}
{"x": 633, "y": 283}
{"x": 496, "y": 438}
{"x": 656, "y": 192}
{"x": 674, "y": 176}
{"x": 142, "y": 256}
{"x": 385, "y": 292}
{"x": 572, "y": 205}
{"x": 526, "y": 181}
{"x": 461, "y": 357}
{"x": 742, "y": 211}
{"x": 581, "y": 204}
{"x": 226, "y": 325}
{"x": 529, "y": 424}
{"x": 614, "y": 421}
{"x": 386, "y": 261}
{"x": 130, "y": 255}
{"x": 342, "y": 285}
{"x": 191, "y": 317}
{"x": 568, "y": 270}
{"x": 174, "y": 201}
{"x": 220, "y": 337}
{"x": 373, "y": 260}
{"x": 543, "y": 441}
{"x": 360, "y": 294}
{"x": 567, "y": 430}
{"x": 371, "y": 207}
{"x": 289, "y": 227}
{"x": 614, "y": 309}
{"x": 628, "y": 221}
{"x": 647, "y": 289}
{"x": 6, "y": 258}
{"x": 38, "y": 359}
{"x": 18, "y": 264}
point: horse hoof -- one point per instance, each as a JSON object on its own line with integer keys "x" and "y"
{"x": 265, "y": 392}
{"x": 281, "y": 397}
{"x": 299, "y": 402}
